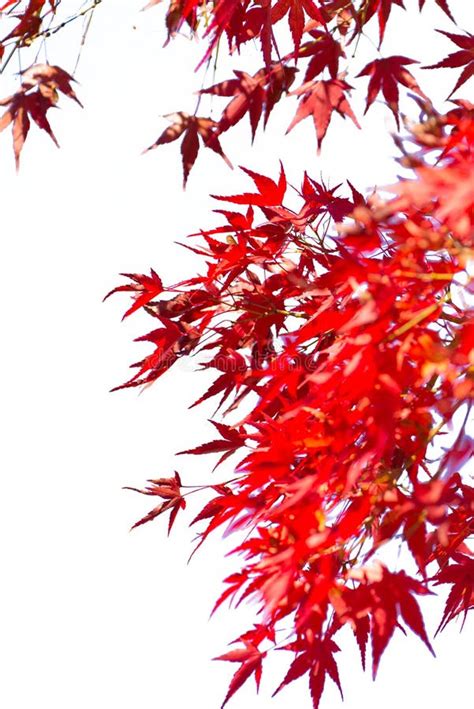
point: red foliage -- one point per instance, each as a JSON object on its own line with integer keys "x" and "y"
{"x": 385, "y": 75}
{"x": 463, "y": 57}
{"x": 38, "y": 93}
{"x": 345, "y": 322}
{"x": 355, "y": 342}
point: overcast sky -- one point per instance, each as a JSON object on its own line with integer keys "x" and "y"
{"x": 93, "y": 616}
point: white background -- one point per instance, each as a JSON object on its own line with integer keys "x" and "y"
{"x": 91, "y": 615}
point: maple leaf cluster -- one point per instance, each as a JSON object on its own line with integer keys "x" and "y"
{"x": 40, "y": 85}
{"x": 340, "y": 323}
{"x": 321, "y": 33}
{"x": 343, "y": 322}
{"x": 322, "y": 37}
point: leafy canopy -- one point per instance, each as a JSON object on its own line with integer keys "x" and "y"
{"x": 340, "y": 327}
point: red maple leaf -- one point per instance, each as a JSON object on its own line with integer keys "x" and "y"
{"x": 296, "y": 16}
{"x": 29, "y": 103}
{"x": 254, "y": 95}
{"x": 320, "y": 100}
{"x": 461, "y": 596}
{"x": 166, "y": 341}
{"x": 385, "y": 75}
{"x": 318, "y": 660}
{"x": 251, "y": 660}
{"x": 50, "y": 79}
{"x": 232, "y": 439}
{"x": 383, "y": 596}
{"x": 465, "y": 56}
{"x": 381, "y": 8}
{"x": 269, "y": 194}
{"x": 145, "y": 287}
{"x": 324, "y": 52}
{"x": 169, "y": 490}
{"x": 191, "y": 128}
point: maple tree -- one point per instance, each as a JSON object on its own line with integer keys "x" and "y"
{"x": 340, "y": 326}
